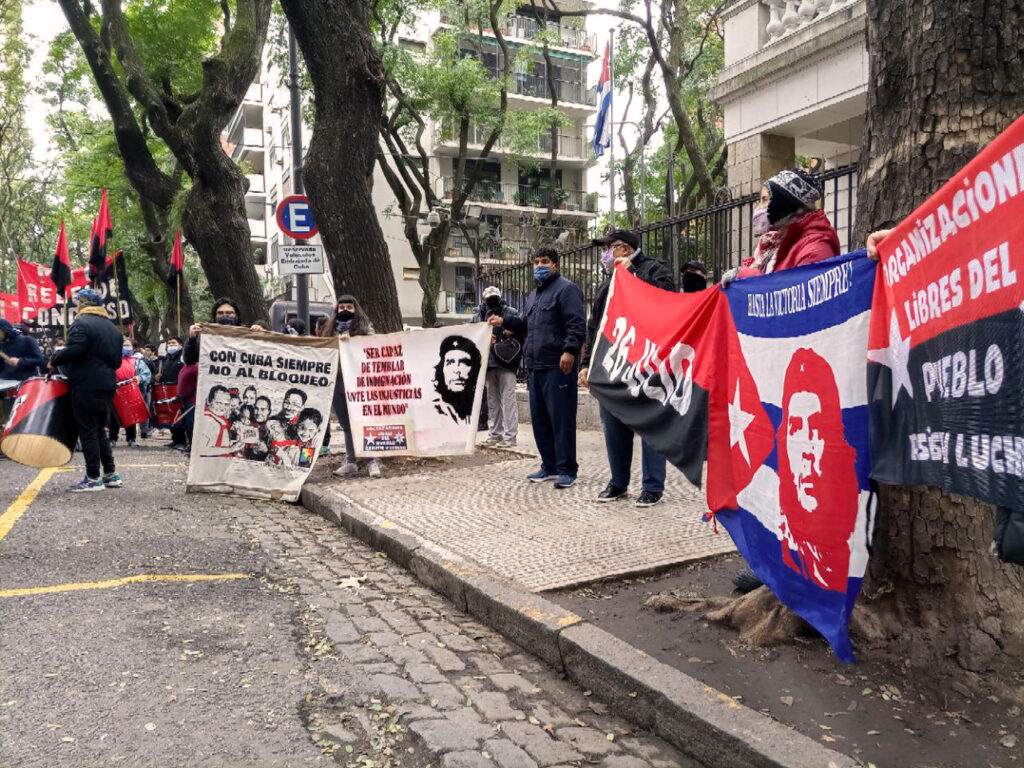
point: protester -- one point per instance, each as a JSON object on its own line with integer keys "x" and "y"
{"x": 325, "y": 447}
{"x": 225, "y": 311}
{"x": 348, "y": 320}
{"x": 502, "y": 365}
{"x": 90, "y": 359}
{"x": 167, "y": 371}
{"x": 695, "y": 277}
{"x": 20, "y": 356}
{"x": 295, "y": 327}
{"x": 188, "y": 383}
{"x": 622, "y": 248}
{"x": 792, "y": 231}
{"x": 149, "y": 357}
{"x": 554, "y": 325}
{"x": 132, "y": 367}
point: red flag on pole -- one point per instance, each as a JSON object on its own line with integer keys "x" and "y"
{"x": 60, "y": 273}
{"x": 101, "y": 233}
{"x": 177, "y": 274}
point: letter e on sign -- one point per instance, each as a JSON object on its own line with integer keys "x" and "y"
{"x": 295, "y": 218}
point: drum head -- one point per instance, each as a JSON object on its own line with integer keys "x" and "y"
{"x": 35, "y": 450}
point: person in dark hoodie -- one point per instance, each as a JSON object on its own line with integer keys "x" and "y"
{"x": 502, "y": 365}
{"x": 20, "y": 356}
{"x": 622, "y": 248}
{"x": 90, "y": 360}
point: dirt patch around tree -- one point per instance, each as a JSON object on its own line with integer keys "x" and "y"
{"x": 872, "y": 710}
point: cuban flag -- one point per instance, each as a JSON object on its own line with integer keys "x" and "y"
{"x": 803, "y": 519}
{"x": 603, "y": 126}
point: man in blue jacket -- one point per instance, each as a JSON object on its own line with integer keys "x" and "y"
{"x": 555, "y": 324}
{"x": 20, "y": 356}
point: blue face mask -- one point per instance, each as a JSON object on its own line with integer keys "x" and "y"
{"x": 126, "y": 351}
{"x": 540, "y": 274}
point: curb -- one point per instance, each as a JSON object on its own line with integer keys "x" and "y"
{"x": 700, "y": 721}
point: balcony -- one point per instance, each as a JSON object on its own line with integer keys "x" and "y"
{"x": 246, "y": 139}
{"x": 257, "y": 229}
{"x": 570, "y": 148}
{"x": 525, "y": 28}
{"x": 497, "y": 193}
{"x": 493, "y": 250}
{"x": 536, "y": 86}
{"x": 254, "y": 94}
{"x": 257, "y": 186}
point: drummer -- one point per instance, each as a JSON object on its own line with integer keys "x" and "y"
{"x": 90, "y": 359}
{"x": 20, "y": 356}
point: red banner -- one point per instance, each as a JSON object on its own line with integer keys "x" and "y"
{"x": 9, "y": 307}
{"x": 36, "y": 291}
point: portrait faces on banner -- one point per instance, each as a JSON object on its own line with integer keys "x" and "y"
{"x": 416, "y": 393}
{"x": 263, "y": 404}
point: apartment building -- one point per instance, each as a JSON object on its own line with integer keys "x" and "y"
{"x": 509, "y": 205}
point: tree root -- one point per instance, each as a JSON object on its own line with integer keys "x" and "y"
{"x": 760, "y": 618}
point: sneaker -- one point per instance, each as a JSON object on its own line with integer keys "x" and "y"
{"x": 511, "y": 443}
{"x": 325, "y": 450}
{"x": 648, "y": 499}
{"x": 113, "y": 480}
{"x": 131, "y": 443}
{"x": 373, "y": 468}
{"x": 347, "y": 469}
{"x": 611, "y": 493}
{"x": 540, "y": 476}
{"x": 565, "y": 481}
{"x": 493, "y": 441}
{"x": 746, "y": 580}
{"x": 87, "y": 484}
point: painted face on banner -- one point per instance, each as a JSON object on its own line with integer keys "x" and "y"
{"x": 292, "y": 405}
{"x": 307, "y": 430}
{"x": 262, "y": 411}
{"x": 458, "y": 367}
{"x": 221, "y": 404}
{"x": 805, "y": 446}
{"x": 249, "y": 396}
{"x": 275, "y": 429}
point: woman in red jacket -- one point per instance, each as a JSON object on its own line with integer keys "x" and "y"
{"x": 797, "y": 233}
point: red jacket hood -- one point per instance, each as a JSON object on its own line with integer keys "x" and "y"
{"x": 808, "y": 239}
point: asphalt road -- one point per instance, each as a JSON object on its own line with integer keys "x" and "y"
{"x": 164, "y": 672}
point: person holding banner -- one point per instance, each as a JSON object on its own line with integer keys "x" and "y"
{"x": 348, "y": 320}
{"x": 20, "y": 355}
{"x": 90, "y": 360}
{"x": 622, "y": 248}
{"x": 555, "y": 325}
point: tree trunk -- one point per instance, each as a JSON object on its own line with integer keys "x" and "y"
{"x": 430, "y": 271}
{"x": 348, "y": 87}
{"x": 158, "y": 248}
{"x": 946, "y": 78}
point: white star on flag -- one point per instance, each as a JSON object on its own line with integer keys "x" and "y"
{"x": 739, "y": 421}
{"x": 895, "y": 357}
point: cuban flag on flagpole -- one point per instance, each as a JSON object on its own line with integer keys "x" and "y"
{"x": 802, "y": 519}
{"x": 603, "y": 126}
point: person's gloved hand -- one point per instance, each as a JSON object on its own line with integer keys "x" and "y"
{"x": 729, "y": 276}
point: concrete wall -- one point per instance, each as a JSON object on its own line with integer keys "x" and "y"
{"x": 587, "y": 414}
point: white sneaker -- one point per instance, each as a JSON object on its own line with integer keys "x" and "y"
{"x": 346, "y": 470}
{"x": 373, "y": 468}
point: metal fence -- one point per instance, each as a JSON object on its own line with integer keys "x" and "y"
{"x": 720, "y": 237}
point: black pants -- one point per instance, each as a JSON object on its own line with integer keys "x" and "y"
{"x": 553, "y": 417}
{"x": 114, "y": 425}
{"x": 91, "y": 411}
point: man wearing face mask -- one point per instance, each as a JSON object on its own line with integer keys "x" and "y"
{"x": 167, "y": 373}
{"x": 224, "y": 312}
{"x": 502, "y": 365}
{"x": 695, "y": 277}
{"x": 554, "y": 324}
{"x": 621, "y": 248}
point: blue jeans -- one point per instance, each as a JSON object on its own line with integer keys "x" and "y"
{"x": 618, "y": 442}
{"x": 553, "y": 416}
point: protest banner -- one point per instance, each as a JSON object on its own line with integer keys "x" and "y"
{"x": 416, "y": 393}
{"x": 9, "y": 307}
{"x": 766, "y": 381}
{"x": 946, "y": 374}
{"x": 263, "y": 403}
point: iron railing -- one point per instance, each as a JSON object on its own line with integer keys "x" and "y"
{"x": 720, "y": 237}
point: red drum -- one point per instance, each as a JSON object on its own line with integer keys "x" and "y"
{"x": 164, "y": 392}
{"x": 167, "y": 412}
{"x": 40, "y": 431}
{"x": 129, "y": 404}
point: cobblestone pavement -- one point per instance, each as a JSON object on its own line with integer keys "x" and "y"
{"x": 538, "y": 536}
{"x": 389, "y": 655}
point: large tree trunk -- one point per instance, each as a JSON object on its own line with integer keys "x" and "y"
{"x": 348, "y": 87}
{"x": 158, "y": 247}
{"x": 945, "y": 79}
{"x": 430, "y": 271}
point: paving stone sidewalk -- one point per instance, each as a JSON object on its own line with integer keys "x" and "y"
{"x": 473, "y": 699}
{"x": 538, "y": 536}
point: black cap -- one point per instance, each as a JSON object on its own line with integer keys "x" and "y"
{"x": 632, "y": 239}
{"x": 696, "y": 265}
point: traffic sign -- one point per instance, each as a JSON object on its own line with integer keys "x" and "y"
{"x": 295, "y": 218}
{"x": 300, "y": 259}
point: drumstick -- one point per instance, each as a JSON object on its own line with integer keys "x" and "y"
{"x": 5, "y": 357}
{"x": 182, "y": 414}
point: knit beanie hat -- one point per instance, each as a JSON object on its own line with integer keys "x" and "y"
{"x": 88, "y": 297}
{"x": 789, "y": 191}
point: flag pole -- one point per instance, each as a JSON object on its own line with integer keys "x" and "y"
{"x": 180, "y": 278}
{"x": 611, "y": 117}
{"x": 117, "y": 285}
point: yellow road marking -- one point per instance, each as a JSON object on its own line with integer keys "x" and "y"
{"x": 27, "y": 496}
{"x": 74, "y": 587}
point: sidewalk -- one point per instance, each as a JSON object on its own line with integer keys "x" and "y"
{"x": 535, "y": 535}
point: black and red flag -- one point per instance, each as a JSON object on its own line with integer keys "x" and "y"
{"x": 946, "y": 363}
{"x": 60, "y": 273}
{"x": 176, "y": 277}
{"x": 102, "y": 230}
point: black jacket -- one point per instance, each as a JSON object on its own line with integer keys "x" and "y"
{"x": 651, "y": 271}
{"x": 22, "y": 347}
{"x": 554, "y": 322}
{"x": 92, "y": 355}
{"x": 508, "y": 317}
{"x": 169, "y": 368}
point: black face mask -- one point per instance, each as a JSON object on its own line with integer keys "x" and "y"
{"x": 693, "y": 282}
{"x": 346, "y": 315}
{"x": 492, "y": 302}
{"x": 227, "y": 321}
